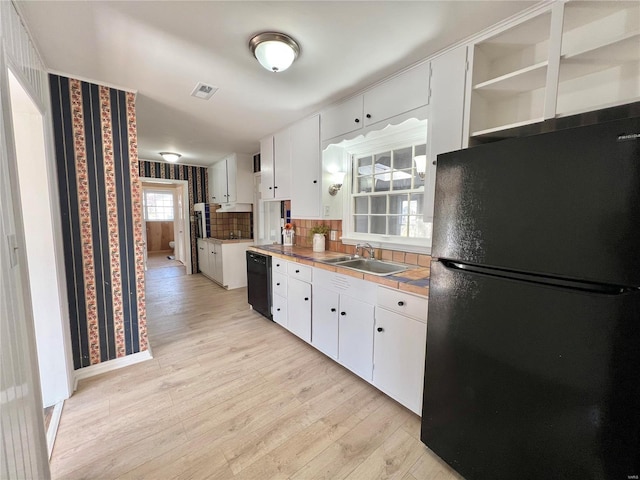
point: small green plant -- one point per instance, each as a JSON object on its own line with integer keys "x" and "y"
{"x": 319, "y": 228}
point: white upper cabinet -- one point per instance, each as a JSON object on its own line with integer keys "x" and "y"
{"x": 231, "y": 180}
{"x": 404, "y": 92}
{"x": 306, "y": 168}
{"x": 275, "y": 166}
{"x": 600, "y": 56}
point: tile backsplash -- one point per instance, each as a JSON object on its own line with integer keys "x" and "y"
{"x": 303, "y": 239}
{"x": 222, "y": 225}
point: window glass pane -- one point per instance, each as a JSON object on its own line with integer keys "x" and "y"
{"x": 382, "y": 183}
{"x": 416, "y": 203}
{"x": 383, "y": 160}
{"x": 158, "y": 206}
{"x": 364, "y": 184}
{"x": 402, "y": 180}
{"x": 417, "y": 181}
{"x": 402, "y": 158}
{"x": 361, "y": 204}
{"x": 395, "y": 224}
{"x": 398, "y": 204}
{"x": 379, "y": 204}
{"x": 364, "y": 162}
{"x": 417, "y": 227}
{"x": 360, "y": 223}
{"x": 379, "y": 224}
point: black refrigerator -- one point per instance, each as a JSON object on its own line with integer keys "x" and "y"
{"x": 533, "y": 340}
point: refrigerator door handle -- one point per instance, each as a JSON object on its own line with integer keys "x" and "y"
{"x": 597, "y": 288}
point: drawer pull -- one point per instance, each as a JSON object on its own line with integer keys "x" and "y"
{"x": 380, "y": 329}
{"x": 278, "y": 309}
{"x": 297, "y": 271}
{"x": 343, "y": 313}
{"x": 333, "y": 309}
{"x": 306, "y": 299}
{"x": 278, "y": 284}
{"x": 401, "y": 303}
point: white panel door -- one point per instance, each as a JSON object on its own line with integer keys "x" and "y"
{"x": 399, "y": 356}
{"x": 306, "y": 168}
{"x": 355, "y": 337}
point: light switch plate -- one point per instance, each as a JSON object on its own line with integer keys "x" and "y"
{"x": 333, "y": 236}
{"x": 327, "y": 210}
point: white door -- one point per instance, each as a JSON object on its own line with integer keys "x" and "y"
{"x": 299, "y": 308}
{"x": 324, "y": 327}
{"x": 178, "y": 225}
{"x": 355, "y": 336}
{"x": 399, "y": 355}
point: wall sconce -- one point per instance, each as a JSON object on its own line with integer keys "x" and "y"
{"x": 338, "y": 178}
{"x": 275, "y": 51}
{"x": 170, "y": 156}
{"x": 421, "y": 165}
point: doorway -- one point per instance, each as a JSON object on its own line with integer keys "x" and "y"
{"x": 160, "y": 228}
{"x": 38, "y": 202}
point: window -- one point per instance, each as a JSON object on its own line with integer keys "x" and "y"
{"x": 158, "y": 206}
{"x": 388, "y": 193}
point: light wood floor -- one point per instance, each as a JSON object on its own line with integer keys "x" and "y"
{"x": 231, "y": 395}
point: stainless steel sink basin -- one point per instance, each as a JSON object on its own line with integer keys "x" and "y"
{"x": 374, "y": 267}
{"x": 337, "y": 259}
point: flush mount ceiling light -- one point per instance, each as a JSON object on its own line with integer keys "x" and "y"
{"x": 170, "y": 156}
{"x": 275, "y": 51}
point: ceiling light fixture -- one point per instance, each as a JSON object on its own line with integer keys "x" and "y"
{"x": 421, "y": 164}
{"x": 170, "y": 156}
{"x": 275, "y": 51}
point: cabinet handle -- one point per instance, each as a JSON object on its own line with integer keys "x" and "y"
{"x": 333, "y": 309}
{"x": 278, "y": 284}
{"x": 368, "y": 115}
{"x": 343, "y": 313}
{"x": 315, "y": 181}
{"x": 306, "y": 299}
{"x": 400, "y": 303}
{"x": 297, "y": 271}
{"x": 357, "y": 120}
{"x": 278, "y": 309}
{"x": 275, "y": 186}
{"x": 434, "y": 162}
{"x": 380, "y": 329}
{"x": 270, "y": 188}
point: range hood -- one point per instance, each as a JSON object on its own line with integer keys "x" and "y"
{"x": 235, "y": 207}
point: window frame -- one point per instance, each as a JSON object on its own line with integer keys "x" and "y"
{"x": 161, "y": 191}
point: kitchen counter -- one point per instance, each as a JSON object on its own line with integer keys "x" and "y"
{"x": 414, "y": 280}
{"x": 232, "y": 240}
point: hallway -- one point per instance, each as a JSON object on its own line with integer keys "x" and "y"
{"x": 230, "y": 394}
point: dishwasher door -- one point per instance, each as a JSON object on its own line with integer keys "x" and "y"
{"x": 259, "y": 283}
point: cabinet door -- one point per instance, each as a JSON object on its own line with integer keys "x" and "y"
{"x": 343, "y": 118}
{"x": 399, "y": 355}
{"x": 400, "y": 94}
{"x": 232, "y": 171}
{"x": 282, "y": 164}
{"x": 355, "y": 339}
{"x": 447, "y": 115}
{"x": 324, "y": 325}
{"x": 299, "y": 306}
{"x": 266, "y": 168}
{"x": 203, "y": 256}
{"x": 219, "y": 182}
{"x": 306, "y": 168}
{"x": 279, "y": 310}
{"x": 215, "y": 262}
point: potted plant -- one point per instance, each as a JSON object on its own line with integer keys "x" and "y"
{"x": 318, "y": 232}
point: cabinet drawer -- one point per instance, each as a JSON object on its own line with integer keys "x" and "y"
{"x": 403, "y": 303}
{"x": 301, "y": 272}
{"x": 279, "y": 282}
{"x": 279, "y": 265}
{"x": 279, "y": 310}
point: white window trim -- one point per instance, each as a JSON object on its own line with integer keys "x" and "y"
{"x": 164, "y": 191}
{"x": 388, "y": 141}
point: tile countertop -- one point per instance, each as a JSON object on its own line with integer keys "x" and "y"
{"x": 233, "y": 240}
{"x": 414, "y": 280}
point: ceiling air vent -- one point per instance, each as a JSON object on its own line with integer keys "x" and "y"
{"x": 204, "y": 91}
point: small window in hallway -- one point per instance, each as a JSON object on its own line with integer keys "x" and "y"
{"x": 158, "y": 206}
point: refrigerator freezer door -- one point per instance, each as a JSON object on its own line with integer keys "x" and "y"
{"x": 565, "y": 203}
{"x": 530, "y": 381}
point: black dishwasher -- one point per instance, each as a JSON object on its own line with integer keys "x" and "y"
{"x": 259, "y": 283}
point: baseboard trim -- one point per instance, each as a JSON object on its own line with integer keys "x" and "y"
{"x": 53, "y": 426}
{"x": 110, "y": 365}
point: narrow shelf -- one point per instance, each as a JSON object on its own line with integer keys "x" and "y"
{"x": 487, "y": 131}
{"x": 620, "y": 51}
{"x": 523, "y": 80}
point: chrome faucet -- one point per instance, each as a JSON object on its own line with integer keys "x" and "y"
{"x": 362, "y": 246}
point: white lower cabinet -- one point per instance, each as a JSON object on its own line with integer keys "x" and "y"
{"x": 355, "y": 339}
{"x": 299, "y": 308}
{"x": 324, "y": 325}
{"x": 279, "y": 310}
{"x": 224, "y": 263}
{"x": 399, "y": 356}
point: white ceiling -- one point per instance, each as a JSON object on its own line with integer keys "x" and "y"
{"x": 162, "y": 49}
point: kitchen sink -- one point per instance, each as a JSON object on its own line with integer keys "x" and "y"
{"x": 374, "y": 267}
{"x": 336, "y": 259}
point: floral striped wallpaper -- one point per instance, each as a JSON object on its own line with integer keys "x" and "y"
{"x": 100, "y": 199}
{"x": 198, "y": 181}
